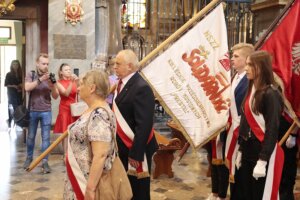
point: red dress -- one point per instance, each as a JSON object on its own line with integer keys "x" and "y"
{"x": 64, "y": 117}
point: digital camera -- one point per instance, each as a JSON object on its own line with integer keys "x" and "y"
{"x": 52, "y": 78}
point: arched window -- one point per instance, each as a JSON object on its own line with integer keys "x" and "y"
{"x": 134, "y": 13}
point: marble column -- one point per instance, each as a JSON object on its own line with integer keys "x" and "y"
{"x": 63, "y": 36}
{"x": 67, "y": 43}
{"x": 107, "y": 32}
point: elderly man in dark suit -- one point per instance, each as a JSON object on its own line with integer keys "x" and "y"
{"x": 134, "y": 109}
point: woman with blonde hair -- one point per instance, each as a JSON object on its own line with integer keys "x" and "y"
{"x": 91, "y": 139}
{"x": 67, "y": 89}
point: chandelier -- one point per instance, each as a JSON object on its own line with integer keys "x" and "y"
{"x": 6, "y": 6}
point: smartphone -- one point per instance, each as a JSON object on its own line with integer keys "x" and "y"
{"x": 76, "y": 71}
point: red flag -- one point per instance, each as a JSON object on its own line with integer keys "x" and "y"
{"x": 284, "y": 45}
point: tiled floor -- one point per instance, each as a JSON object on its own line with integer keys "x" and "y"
{"x": 189, "y": 182}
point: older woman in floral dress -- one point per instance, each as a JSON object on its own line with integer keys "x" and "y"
{"x": 90, "y": 142}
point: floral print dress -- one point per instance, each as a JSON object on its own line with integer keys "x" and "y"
{"x": 100, "y": 128}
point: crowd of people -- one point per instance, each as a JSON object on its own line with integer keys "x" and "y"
{"x": 246, "y": 151}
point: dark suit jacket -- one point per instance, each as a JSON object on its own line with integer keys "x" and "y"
{"x": 240, "y": 92}
{"x": 136, "y": 104}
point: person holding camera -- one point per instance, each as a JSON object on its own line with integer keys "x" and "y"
{"x": 40, "y": 84}
{"x": 67, "y": 89}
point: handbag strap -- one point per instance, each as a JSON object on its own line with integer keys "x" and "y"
{"x": 76, "y": 96}
{"x": 29, "y": 98}
{"x": 113, "y": 135}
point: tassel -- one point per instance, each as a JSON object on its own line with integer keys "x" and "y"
{"x": 138, "y": 175}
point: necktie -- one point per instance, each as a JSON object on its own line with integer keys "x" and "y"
{"x": 119, "y": 86}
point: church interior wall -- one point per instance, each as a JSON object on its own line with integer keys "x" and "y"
{"x": 57, "y": 27}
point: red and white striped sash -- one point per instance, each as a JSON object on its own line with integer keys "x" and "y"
{"x": 75, "y": 174}
{"x": 232, "y": 147}
{"x": 275, "y": 165}
{"x": 217, "y": 155}
{"x": 127, "y": 136}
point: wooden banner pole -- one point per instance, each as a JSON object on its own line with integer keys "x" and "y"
{"x": 48, "y": 150}
{"x": 287, "y": 134}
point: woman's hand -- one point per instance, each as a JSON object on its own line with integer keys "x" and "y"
{"x": 74, "y": 77}
{"x": 290, "y": 142}
{"x": 89, "y": 194}
{"x": 259, "y": 169}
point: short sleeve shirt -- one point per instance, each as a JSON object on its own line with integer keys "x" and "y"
{"x": 40, "y": 95}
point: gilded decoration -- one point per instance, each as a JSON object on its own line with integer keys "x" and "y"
{"x": 73, "y": 11}
{"x": 6, "y": 6}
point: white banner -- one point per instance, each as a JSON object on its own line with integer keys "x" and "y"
{"x": 192, "y": 78}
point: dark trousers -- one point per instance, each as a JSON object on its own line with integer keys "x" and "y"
{"x": 235, "y": 192}
{"x": 251, "y": 189}
{"x": 219, "y": 180}
{"x": 289, "y": 173}
{"x": 219, "y": 173}
{"x": 140, "y": 187}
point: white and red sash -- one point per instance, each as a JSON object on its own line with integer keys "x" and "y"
{"x": 257, "y": 125}
{"x": 217, "y": 154}
{"x": 75, "y": 174}
{"x": 232, "y": 146}
{"x": 127, "y": 136}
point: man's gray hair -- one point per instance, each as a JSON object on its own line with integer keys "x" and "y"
{"x": 130, "y": 57}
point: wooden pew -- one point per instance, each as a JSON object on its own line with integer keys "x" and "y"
{"x": 164, "y": 156}
{"x": 176, "y": 132}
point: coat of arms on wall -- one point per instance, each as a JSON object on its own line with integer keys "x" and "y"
{"x": 73, "y": 11}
